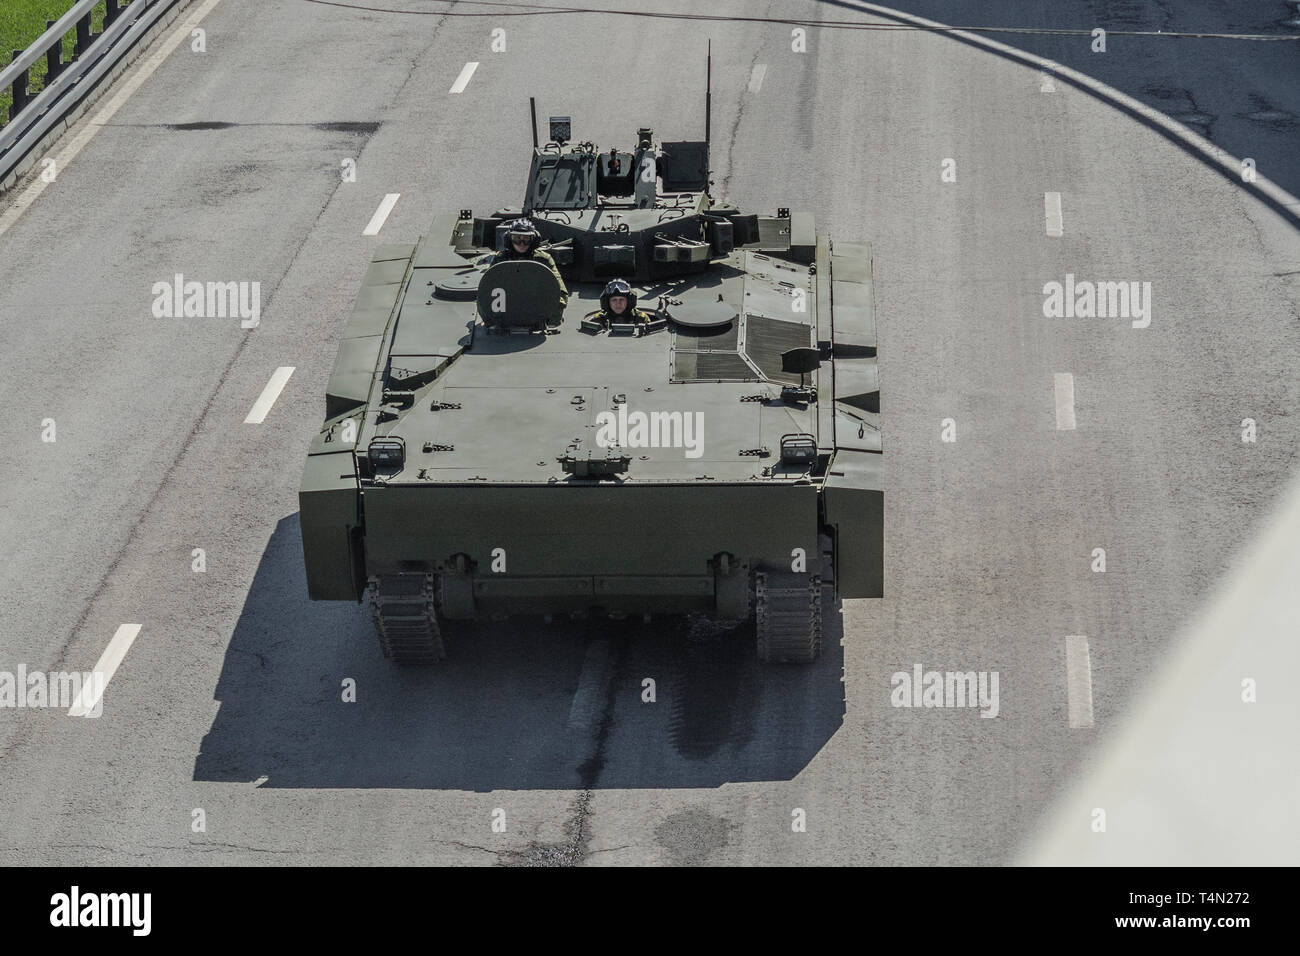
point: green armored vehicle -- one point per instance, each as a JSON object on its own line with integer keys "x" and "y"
{"x": 616, "y": 399}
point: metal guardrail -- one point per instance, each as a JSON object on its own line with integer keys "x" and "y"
{"x": 67, "y": 84}
{"x": 50, "y": 45}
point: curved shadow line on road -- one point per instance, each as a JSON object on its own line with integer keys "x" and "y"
{"x": 1220, "y": 161}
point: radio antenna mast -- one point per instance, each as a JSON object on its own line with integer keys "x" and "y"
{"x": 708, "y": 115}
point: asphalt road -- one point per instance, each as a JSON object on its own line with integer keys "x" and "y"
{"x": 225, "y": 165}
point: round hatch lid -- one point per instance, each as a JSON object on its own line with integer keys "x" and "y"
{"x": 460, "y": 286}
{"x": 702, "y": 315}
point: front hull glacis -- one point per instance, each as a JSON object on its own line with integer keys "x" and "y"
{"x": 586, "y": 548}
{"x": 600, "y": 548}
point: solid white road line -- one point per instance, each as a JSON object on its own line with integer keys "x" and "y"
{"x": 381, "y": 214}
{"x": 269, "y": 395}
{"x": 1052, "y": 210}
{"x": 85, "y": 704}
{"x": 462, "y": 81}
{"x": 1064, "y": 402}
{"x": 589, "y": 699}
{"x": 129, "y": 85}
{"x": 1078, "y": 681}
{"x": 756, "y": 77}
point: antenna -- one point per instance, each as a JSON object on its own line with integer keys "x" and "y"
{"x": 532, "y": 106}
{"x": 708, "y": 113}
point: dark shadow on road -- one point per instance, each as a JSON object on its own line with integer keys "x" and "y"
{"x": 500, "y": 713}
{"x": 1241, "y": 95}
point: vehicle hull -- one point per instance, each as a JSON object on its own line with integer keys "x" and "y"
{"x": 598, "y": 548}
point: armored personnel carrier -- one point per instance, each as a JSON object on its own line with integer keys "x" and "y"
{"x": 497, "y": 444}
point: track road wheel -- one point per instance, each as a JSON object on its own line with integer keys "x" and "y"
{"x": 406, "y": 617}
{"x": 788, "y": 617}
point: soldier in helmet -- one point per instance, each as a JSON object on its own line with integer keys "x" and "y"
{"x": 521, "y": 243}
{"x": 618, "y": 304}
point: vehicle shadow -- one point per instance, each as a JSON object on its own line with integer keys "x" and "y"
{"x": 519, "y": 705}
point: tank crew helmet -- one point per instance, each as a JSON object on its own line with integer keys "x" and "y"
{"x": 522, "y": 229}
{"x": 618, "y": 287}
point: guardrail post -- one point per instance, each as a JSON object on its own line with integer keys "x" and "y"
{"x": 110, "y": 12}
{"x": 19, "y": 90}
{"x": 83, "y": 36}
{"x": 53, "y": 58}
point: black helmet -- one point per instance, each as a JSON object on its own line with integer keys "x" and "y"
{"x": 618, "y": 287}
{"x": 522, "y": 227}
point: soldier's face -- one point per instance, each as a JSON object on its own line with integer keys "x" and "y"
{"x": 618, "y": 303}
{"x": 520, "y": 242}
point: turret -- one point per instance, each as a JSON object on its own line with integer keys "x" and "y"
{"x": 641, "y": 214}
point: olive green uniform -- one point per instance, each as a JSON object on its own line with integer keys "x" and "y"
{"x": 629, "y": 315}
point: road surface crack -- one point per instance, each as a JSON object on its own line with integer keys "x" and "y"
{"x": 574, "y": 850}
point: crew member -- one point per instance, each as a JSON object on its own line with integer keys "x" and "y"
{"x": 618, "y": 304}
{"x": 521, "y": 243}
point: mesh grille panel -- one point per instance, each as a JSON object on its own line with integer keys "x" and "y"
{"x": 766, "y": 339}
{"x": 707, "y": 366}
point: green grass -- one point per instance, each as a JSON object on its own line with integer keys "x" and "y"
{"x": 21, "y": 24}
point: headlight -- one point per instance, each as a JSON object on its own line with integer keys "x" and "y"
{"x": 798, "y": 449}
{"x": 387, "y": 453}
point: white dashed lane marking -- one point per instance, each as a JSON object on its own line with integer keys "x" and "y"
{"x": 1064, "y": 402}
{"x": 462, "y": 81}
{"x": 86, "y": 703}
{"x": 1052, "y": 212}
{"x": 381, "y": 214}
{"x": 269, "y": 395}
{"x": 1078, "y": 681}
{"x": 756, "y": 77}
